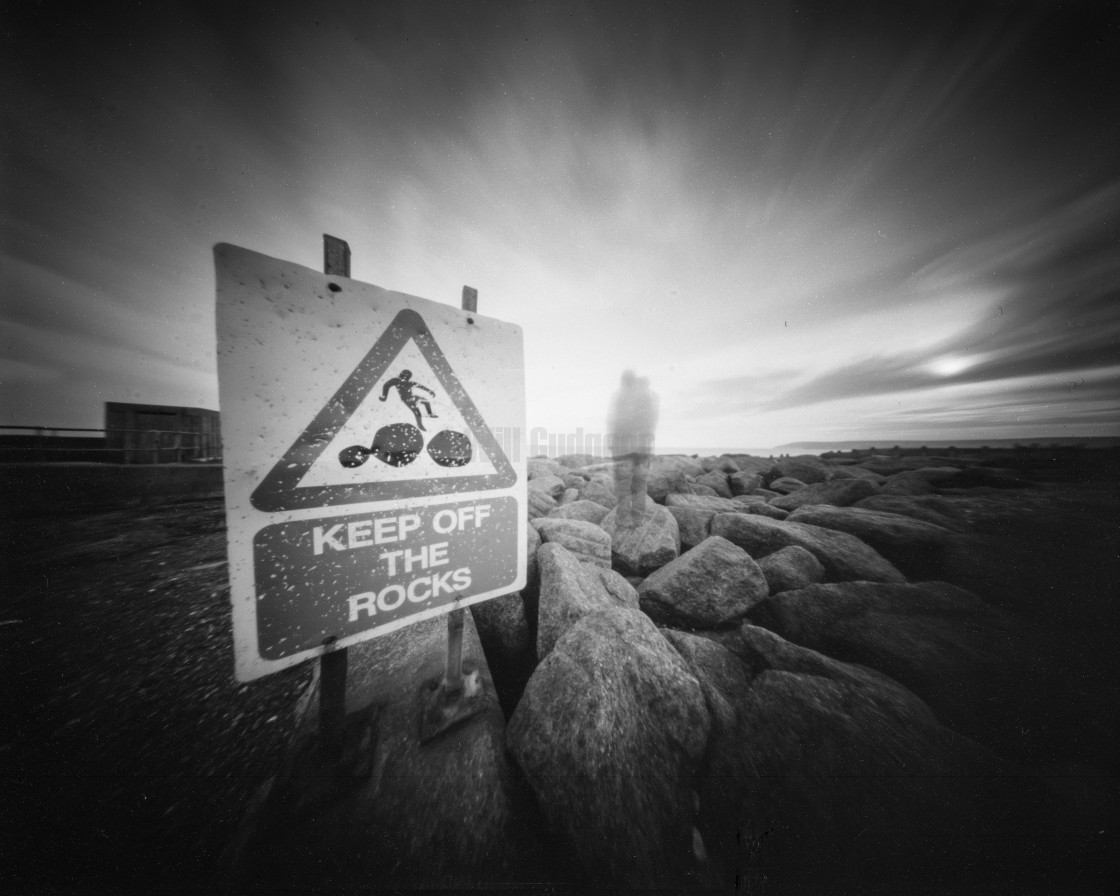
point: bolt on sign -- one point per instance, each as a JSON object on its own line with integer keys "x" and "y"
{"x": 365, "y": 490}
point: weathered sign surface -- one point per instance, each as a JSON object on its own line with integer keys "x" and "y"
{"x": 364, "y": 487}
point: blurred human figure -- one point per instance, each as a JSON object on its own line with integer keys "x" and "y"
{"x": 631, "y": 424}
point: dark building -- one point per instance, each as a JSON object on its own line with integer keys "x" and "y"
{"x": 160, "y": 434}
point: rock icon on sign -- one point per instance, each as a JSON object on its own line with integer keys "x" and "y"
{"x": 397, "y": 444}
{"x": 450, "y": 449}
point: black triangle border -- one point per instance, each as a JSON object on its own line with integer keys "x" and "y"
{"x": 280, "y": 489}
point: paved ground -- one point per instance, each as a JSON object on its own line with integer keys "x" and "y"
{"x": 130, "y": 750}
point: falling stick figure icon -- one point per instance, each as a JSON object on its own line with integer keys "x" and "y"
{"x": 404, "y": 386}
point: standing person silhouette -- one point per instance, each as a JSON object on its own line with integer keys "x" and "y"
{"x": 631, "y": 424}
{"x": 404, "y": 386}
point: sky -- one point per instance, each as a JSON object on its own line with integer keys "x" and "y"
{"x": 802, "y": 221}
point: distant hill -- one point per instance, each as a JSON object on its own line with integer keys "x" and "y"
{"x": 1086, "y": 441}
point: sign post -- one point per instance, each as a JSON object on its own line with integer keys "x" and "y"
{"x": 332, "y": 665}
{"x": 457, "y": 697}
{"x": 365, "y": 488}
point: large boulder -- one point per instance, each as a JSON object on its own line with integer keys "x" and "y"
{"x": 570, "y": 590}
{"x": 844, "y": 557}
{"x": 608, "y": 734}
{"x": 551, "y": 485}
{"x": 588, "y": 511}
{"x": 768, "y": 510}
{"x": 542, "y": 466}
{"x": 640, "y": 547}
{"x": 575, "y": 461}
{"x": 717, "y": 482}
{"x": 933, "y": 509}
{"x": 585, "y": 540}
{"x": 503, "y": 628}
{"x": 574, "y": 480}
{"x": 711, "y": 586}
{"x": 806, "y": 467}
{"x": 918, "y": 549}
{"x": 530, "y": 595}
{"x": 791, "y": 568}
{"x": 704, "y": 502}
{"x": 748, "y": 463}
{"x": 786, "y": 485}
{"x": 821, "y": 775}
{"x": 838, "y": 492}
{"x": 985, "y": 672}
{"x": 599, "y": 492}
{"x": 854, "y": 472}
{"x": 693, "y": 523}
{"x": 539, "y": 502}
{"x": 919, "y": 482}
{"x": 721, "y": 464}
{"x": 670, "y": 473}
{"x": 744, "y": 483}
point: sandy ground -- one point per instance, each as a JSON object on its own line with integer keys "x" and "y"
{"x": 130, "y": 748}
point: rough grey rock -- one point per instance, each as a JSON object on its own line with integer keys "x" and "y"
{"x": 570, "y": 590}
{"x": 806, "y": 467}
{"x": 747, "y": 500}
{"x": 816, "y": 769}
{"x": 542, "y": 466}
{"x": 575, "y": 461}
{"x": 574, "y": 480}
{"x": 609, "y": 734}
{"x": 597, "y": 491}
{"x": 844, "y": 557}
{"x": 768, "y": 510}
{"x": 551, "y": 485}
{"x": 918, "y": 549}
{"x": 570, "y": 495}
{"x": 503, "y": 627}
{"x": 717, "y": 482}
{"x": 791, "y": 568}
{"x": 744, "y": 483}
{"x": 711, "y": 586}
{"x": 705, "y": 502}
{"x": 785, "y": 485}
{"x": 765, "y": 493}
{"x": 748, "y": 463}
{"x": 676, "y": 463}
{"x": 721, "y": 464}
{"x": 838, "y": 492}
{"x": 640, "y": 548}
{"x": 927, "y": 508}
{"x": 855, "y": 472}
{"x": 986, "y": 673}
{"x": 588, "y": 542}
{"x": 539, "y": 502}
{"x": 588, "y": 511}
{"x": 918, "y": 482}
{"x": 693, "y": 488}
{"x": 694, "y": 524}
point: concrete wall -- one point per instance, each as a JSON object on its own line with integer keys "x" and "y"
{"x": 33, "y": 489}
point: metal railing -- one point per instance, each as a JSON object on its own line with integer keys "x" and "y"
{"x": 130, "y": 446}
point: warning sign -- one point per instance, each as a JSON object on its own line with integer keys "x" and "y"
{"x": 365, "y": 489}
{"x": 396, "y": 443}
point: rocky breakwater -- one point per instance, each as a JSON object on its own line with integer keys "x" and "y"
{"x": 768, "y": 678}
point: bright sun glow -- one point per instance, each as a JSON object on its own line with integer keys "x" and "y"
{"x": 949, "y": 365}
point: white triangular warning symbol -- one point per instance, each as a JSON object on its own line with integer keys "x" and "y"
{"x": 426, "y": 437}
